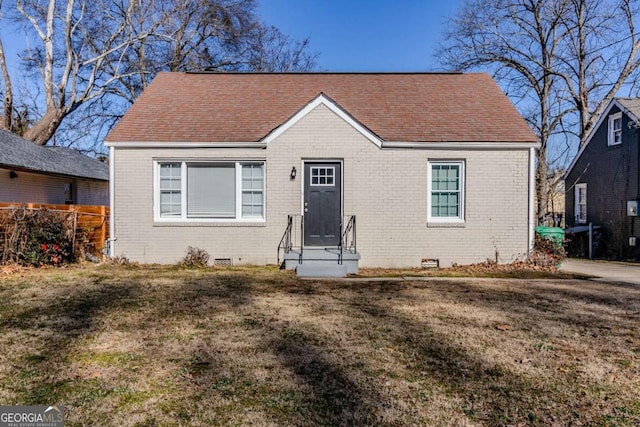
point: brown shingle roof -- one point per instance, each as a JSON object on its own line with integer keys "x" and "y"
{"x": 245, "y": 107}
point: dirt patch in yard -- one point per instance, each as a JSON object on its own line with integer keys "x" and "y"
{"x": 255, "y": 346}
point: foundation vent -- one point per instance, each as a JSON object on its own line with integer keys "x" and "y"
{"x": 430, "y": 263}
{"x": 222, "y": 262}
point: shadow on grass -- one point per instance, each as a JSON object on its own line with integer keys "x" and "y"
{"x": 55, "y": 326}
{"x": 488, "y": 393}
{"x": 589, "y": 305}
{"x": 209, "y": 386}
{"x": 333, "y": 397}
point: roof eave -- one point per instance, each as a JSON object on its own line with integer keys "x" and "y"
{"x": 183, "y": 144}
{"x": 18, "y": 168}
{"x": 461, "y": 144}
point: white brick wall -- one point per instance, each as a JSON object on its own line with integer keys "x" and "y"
{"x": 385, "y": 188}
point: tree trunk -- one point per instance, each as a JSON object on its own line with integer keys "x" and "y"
{"x": 542, "y": 185}
{"x": 46, "y": 127}
{"x": 8, "y": 91}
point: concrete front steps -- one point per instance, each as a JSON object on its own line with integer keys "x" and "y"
{"x": 322, "y": 262}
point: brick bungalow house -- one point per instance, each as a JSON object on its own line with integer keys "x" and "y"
{"x": 250, "y": 166}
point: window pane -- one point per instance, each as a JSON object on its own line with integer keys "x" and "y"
{"x": 170, "y": 176}
{"x": 252, "y": 177}
{"x": 211, "y": 191}
{"x": 617, "y": 124}
{"x": 169, "y": 184}
{"x": 252, "y": 204}
{"x": 170, "y": 204}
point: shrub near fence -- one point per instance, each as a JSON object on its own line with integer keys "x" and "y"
{"x": 51, "y": 234}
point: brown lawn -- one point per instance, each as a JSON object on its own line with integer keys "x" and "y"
{"x": 151, "y": 346}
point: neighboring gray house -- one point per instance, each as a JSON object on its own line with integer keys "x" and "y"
{"x": 435, "y": 166}
{"x": 30, "y": 173}
{"x": 603, "y": 178}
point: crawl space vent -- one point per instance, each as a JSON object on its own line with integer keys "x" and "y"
{"x": 222, "y": 262}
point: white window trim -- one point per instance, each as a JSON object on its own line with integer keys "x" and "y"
{"x": 457, "y": 219}
{"x": 576, "y": 203}
{"x": 183, "y": 192}
{"x": 610, "y": 135}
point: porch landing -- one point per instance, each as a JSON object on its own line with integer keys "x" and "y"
{"x": 321, "y": 262}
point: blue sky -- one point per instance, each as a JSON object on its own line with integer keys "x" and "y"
{"x": 365, "y": 35}
{"x": 353, "y": 35}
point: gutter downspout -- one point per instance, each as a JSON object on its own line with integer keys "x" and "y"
{"x": 112, "y": 201}
{"x": 532, "y": 183}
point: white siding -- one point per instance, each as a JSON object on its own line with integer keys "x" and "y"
{"x": 385, "y": 188}
{"x": 36, "y": 188}
{"x": 31, "y": 188}
{"x": 92, "y": 192}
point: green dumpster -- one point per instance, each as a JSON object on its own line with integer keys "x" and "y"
{"x": 552, "y": 233}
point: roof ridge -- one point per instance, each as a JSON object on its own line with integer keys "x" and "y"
{"x": 278, "y": 73}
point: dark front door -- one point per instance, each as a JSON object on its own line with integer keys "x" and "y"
{"x": 322, "y": 200}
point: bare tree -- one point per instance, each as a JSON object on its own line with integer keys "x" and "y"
{"x": 82, "y": 57}
{"x": 182, "y": 35}
{"x": 561, "y": 61}
{"x": 74, "y": 41}
{"x": 8, "y": 89}
{"x": 272, "y": 51}
{"x": 599, "y": 56}
{"x": 518, "y": 40}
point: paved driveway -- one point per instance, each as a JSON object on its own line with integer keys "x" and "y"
{"x": 604, "y": 270}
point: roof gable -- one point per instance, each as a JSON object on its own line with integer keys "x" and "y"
{"x": 629, "y": 106}
{"x": 220, "y": 108}
{"x": 331, "y": 105}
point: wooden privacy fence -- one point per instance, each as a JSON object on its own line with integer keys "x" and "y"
{"x": 92, "y": 222}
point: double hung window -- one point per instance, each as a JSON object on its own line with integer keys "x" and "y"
{"x": 446, "y": 191}
{"x": 581, "y": 203}
{"x": 615, "y": 129}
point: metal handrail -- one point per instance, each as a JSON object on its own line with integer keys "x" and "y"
{"x": 348, "y": 239}
{"x": 285, "y": 241}
{"x": 301, "y": 238}
{"x": 288, "y": 241}
{"x": 340, "y": 242}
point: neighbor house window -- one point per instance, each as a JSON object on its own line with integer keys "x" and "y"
{"x": 210, "y": 190}
{"x": 446, "y": 191}
{"x": 581, "y": 203}
{"x": 68, "y": 193}
{"x": 615, "y": 129}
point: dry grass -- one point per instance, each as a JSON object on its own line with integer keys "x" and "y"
{"x": 159, "y": 346}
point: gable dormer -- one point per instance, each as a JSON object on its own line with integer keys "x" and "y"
{"x": 609, "y": 127}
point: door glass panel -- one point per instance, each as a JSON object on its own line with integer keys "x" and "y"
{"x": 323, "y": 176}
